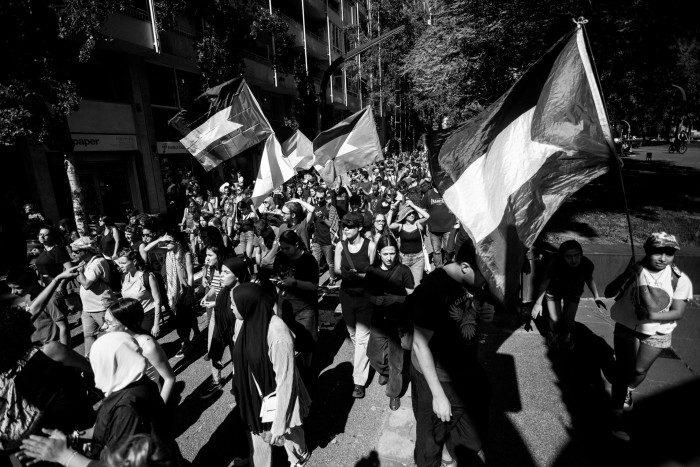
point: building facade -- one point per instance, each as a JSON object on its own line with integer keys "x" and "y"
{"x": 125, "y": 152}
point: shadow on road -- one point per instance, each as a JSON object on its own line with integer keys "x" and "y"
{"x": 230, "y": 440}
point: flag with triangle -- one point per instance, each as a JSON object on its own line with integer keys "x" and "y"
{"x": 223, "y": 122}
{"x": 506, "y": 171}
{"x": 351, "y": 144}
{"x": 275, "y": 169}
{"x": 299, "y": 150}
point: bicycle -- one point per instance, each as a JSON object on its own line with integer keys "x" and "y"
{"x": 681, "y": 148}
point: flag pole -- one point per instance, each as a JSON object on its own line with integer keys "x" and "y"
{"x": 580, "y": 23}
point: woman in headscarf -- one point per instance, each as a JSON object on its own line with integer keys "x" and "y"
{"x": 131, "y": 406}
{"x": 263, "y": 362}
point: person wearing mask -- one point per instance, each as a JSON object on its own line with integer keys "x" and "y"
{"x": 352, "y": 258}
{"x": 263, "y": 362}
{"x": 127, "y": 315}
{"x": 94, "y": 275}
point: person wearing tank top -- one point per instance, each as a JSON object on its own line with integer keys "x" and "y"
{"x": 352, "y": 258}
{"x": 408, "y": 227}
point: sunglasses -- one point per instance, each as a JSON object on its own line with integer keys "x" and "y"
{"x": 350, "y": 225}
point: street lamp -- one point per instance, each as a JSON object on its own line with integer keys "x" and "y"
{"x": 629, "y": 129}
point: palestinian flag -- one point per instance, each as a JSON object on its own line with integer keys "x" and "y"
{"x": 275, "y": 169}
{"x": 506, "y": 171}
{"x": 299, "y": 150}
{"x": 351, "y": 144}
{"x": 223, "y": 122}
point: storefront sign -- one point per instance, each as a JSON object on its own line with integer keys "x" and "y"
{"x": 93, "y": 142}
{"x": 171, "y": 147}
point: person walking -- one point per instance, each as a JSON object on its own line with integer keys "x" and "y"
{"x": 265, "y": 376}
{"x": 352, "y": 258}
{"x": 409, "y": 230}
{"x": 389, "y": 283}
{"x": 562, "y": 286}
{"x": 140, "y": 284}
{"x": 651, "y": 296}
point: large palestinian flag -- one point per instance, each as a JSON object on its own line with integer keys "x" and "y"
{"x": 223, "y": 122}
{"x": 351, "y": 144}
{"x": 506, "y": 171}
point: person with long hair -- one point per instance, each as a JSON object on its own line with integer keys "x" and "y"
{"x": 651, "y": 297}
{"x": 212, "y": 281}
{"x": 179, "y": 284}
{"x": 389, "y": 283}
{"x": 562, "y": 287}
{"x": 142, "y": 285}
{"x": 110, "y": 239}
{"x": 265, "y": 249}
{"x": 127, "y": 315}
{"x": 380, "y": 227}
{"x": 352, "y": 258}
{"x": 263, "y": 362}
{"x": 296, "y": 272}
{"x": 409, "y": 230}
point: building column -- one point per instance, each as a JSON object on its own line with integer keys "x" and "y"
{"x": 147, "y": 163}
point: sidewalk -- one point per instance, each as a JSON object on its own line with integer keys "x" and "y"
{"x": 552, "y": 408}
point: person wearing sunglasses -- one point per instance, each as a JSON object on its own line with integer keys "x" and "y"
{"x": 353, "y": 256}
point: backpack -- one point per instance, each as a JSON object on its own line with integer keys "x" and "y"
{"x": 18, "y": 417}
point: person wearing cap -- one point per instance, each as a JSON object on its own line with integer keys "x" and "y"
{"x": 651, "y": 296}
{"x": 408, "y": 228}
{"x": 94, "y": 275}
{"x": 353, "y": 256}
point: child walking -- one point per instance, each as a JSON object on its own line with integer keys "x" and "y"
{"x": 562, "y": 287}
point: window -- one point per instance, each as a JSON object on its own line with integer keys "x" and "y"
{"x": 161, "y": 83}
{"x": 105, "y": 77}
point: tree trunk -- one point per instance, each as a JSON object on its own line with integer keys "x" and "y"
{"x": 76, "y": 192}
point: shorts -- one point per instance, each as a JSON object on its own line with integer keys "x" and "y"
{"x": 92, "y": 321}
{"x": 659, "y": 341}
{"x": 558, "y": 298}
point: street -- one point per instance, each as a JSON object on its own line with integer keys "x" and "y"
{"x": 660, "y": 153}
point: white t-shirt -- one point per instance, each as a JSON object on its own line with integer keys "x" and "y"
{"x": 99, "y": 296}
{"x": 623, "y": 310}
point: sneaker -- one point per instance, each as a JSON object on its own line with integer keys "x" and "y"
{"x": 382, "y": 380}
{"x": 394, "y": 403}
{"x": 212, "y": 389}
{"x": 303, "y": 459}
{"x": 619, "y": 428}
{"x": 358, "y": 392}
{"x": 629, "y": 403}
{"x": 183, "y": 349}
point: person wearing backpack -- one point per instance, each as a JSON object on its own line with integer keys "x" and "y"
{"x": 651, "y": 296}
{"x": 96, "y": 295}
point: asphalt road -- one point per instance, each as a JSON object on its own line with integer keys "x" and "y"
{"x": 660, "y": 153}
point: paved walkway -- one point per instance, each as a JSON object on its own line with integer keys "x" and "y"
{"x": 550, "y": 408}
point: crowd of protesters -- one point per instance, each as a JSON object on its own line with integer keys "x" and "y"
{"x": 409, "y": 288}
